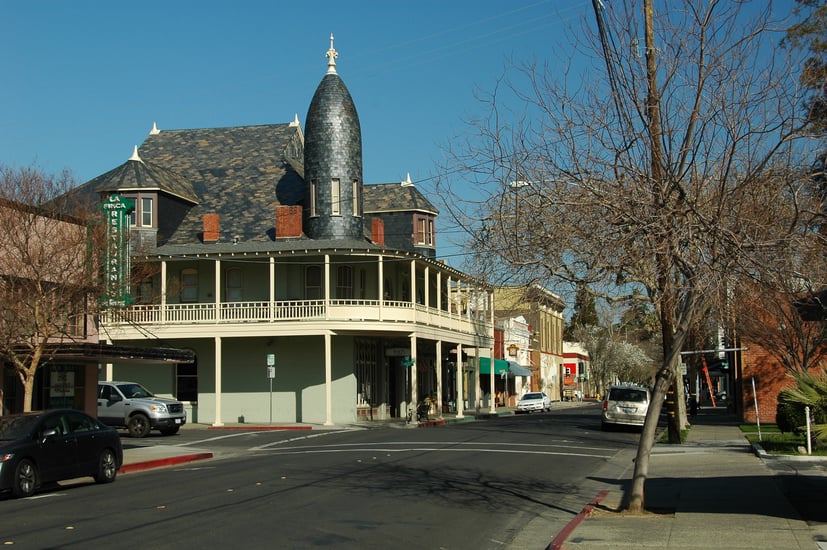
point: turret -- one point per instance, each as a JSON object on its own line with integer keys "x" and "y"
{"x": 333, "y": 160}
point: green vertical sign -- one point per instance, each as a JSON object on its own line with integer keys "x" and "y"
{"x": 116, "y": 208}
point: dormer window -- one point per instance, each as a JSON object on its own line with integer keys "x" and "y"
{"x": 144, "y": 213}
{"x": 424, "y": 234}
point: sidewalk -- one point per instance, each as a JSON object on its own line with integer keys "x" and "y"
{"x": 711, "y": 492}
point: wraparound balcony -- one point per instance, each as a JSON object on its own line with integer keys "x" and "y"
{"x": 148, "y": 315}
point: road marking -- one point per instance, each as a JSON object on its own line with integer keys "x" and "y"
{"x": 433, "y": 446}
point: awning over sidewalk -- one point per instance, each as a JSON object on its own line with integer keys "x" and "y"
{"x": 500, "y": 366}
{"x": 517, "y": 369}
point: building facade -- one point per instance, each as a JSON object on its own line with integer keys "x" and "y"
{"x": 542, "y": 311}
{"x": 304, "y": 294}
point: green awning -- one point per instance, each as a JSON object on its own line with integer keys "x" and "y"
{"x": 500, "y": 366}
{"x": 518, "y": 370}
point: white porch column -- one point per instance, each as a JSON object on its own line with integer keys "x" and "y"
{"x": 439, "y": 290}
{"x": 477, "y": 390}
{"x": 272, "y": 288}
{"x": 163, "y": 293}
{"x": 492, "y": 402}
{"x": 459, "y": 383}
{"x": 414, "y": 392}
{"x": 217, "y": 421}
{"x": 328, "y": 377}
{"x": 381, "y": 282}
{"x": 217, "y": 290}
{"x": 413, "y": 283}
{"x": 448, "y": 295}
{"x": 490, "y": 303}
{"x": 439, "y": 378}
{"x": 427, "y": 287}
{"x": 327, "y": 286}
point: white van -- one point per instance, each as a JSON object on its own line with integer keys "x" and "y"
{"x": 625, "y": 405}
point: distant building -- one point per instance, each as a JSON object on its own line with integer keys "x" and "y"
{"x": 542, "y": 310}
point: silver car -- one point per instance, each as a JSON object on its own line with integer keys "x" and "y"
{"x": 625, "y": 405}
{"x": 533, "y": 401}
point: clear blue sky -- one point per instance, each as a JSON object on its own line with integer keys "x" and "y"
{"x": 83, "y": 81}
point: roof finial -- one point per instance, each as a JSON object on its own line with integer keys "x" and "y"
{"x": 331, "y": 55}
{"x": 135, "y": 155}
{"x": 407, "y": 181}
{"x": 154, "y": 130}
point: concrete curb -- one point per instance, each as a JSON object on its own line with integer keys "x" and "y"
{"x": 160, "y": 462}
{"x": 560, "y": 539}
{"x": 258, "y": 428}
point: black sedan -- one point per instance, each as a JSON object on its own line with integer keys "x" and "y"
{"x": 48, "y": 446}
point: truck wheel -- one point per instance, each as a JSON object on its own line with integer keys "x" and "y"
{"x": 170, "y": 431}
{"x": 25, "y": 479}
{"x": 107, "y": 467}
{"x": 138, "y": 425}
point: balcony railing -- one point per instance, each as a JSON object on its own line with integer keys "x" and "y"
{"x": 291, "y": 310}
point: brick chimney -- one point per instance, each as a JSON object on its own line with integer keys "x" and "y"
{"x": 211, "y": 227}
{"x": 377, "y": 231}
{"x": 288, "y": 222}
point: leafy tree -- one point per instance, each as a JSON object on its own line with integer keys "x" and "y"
{"x": 810, "y": 390}
{"x": 47, "y": 278}
{"x": 810, "y": 34}
{"x": 662, "y": 168}
{"x": 585, "y": 312}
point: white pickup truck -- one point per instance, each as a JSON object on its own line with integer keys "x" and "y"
{"x": 131, "y": 406}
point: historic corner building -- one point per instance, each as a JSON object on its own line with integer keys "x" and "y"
{"x": 305, "y": 295}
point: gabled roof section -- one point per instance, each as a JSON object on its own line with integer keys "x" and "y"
{"x": 396, "y": 197}
{"x": 137, "y": 175}
{"x": 241, "y": 173}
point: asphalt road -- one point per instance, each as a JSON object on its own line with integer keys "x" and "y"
{"x": 510, "y": 482}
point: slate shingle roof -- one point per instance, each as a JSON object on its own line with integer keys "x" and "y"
{"x": 395, "y": 197}
{"x": 135, "y": 175}
{"x": 241, "y": 173}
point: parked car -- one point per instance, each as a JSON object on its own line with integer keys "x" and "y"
{"x": 533, "y": 401}
{"x": 48, "y": 446}
{"x": 132, "y": 406}
{"x": 625, "y": 405}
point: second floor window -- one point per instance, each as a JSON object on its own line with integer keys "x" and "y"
{"x": 313, "y": 283}
{"x": 232, "y": 281}
{"x": 344, "y": 281}
{"x": 335, "y": 197}
{"x": 356, "y": 211}
{"x": 146, "y": 212}
{"x": 313, "y": 198}
{"x": 189, "y": 285}
{"x": 424, "y": 230}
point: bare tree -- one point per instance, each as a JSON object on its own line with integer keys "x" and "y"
{"x": 47, "y": 275}
{"x": 660, "y": 165}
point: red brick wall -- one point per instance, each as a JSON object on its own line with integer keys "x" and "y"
{"x": 377, "y": 231}
{"x": 211, "y": 227}
{"x": 770, "y": 378}
{"x": 288, "y": 221}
